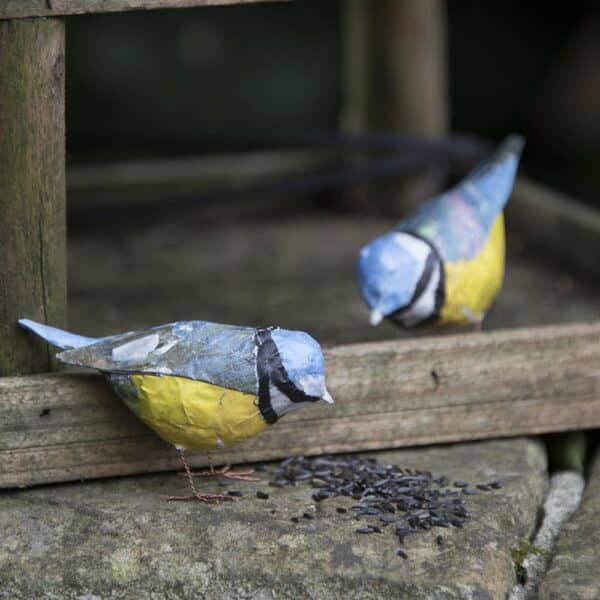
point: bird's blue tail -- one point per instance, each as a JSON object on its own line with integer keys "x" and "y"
{"x": 512, "y": 144}
{"x": 492, "y": 181}
{"x": 57, "y": 337}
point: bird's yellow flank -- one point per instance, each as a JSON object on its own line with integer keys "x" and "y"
{"x": 471, "y": 285}
{"x": 196, "y": 415}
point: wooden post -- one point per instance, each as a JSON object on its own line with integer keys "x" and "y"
{"x": 395, "y": 68}
{"x": 32, "y": 187}
{"x": 395, "y": 79}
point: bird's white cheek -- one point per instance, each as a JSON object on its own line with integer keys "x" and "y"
{"x": 312, "y": 385}
{"x": 281, "y": 403}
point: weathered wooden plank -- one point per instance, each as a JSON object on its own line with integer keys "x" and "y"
{"x": 32, "y": 187}
{"x": 156, "y": 181}
{"x": 557, "y": 224}
{"x": 15, "y": 9}
{"x": 58, "y": 427}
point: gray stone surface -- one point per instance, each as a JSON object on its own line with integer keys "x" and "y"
{"x": 120, "y": 539}
{"x": 575, "y": 566}
{"x": 563, "y": 498}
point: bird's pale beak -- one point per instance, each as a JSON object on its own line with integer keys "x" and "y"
{"x": 326, "y": 397}
{"x": 376, "y": 317}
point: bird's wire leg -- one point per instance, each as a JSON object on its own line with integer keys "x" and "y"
{"x": 226, "y": 472}
{"x": 476, "y": 320}
{"x": 196, "y": 494}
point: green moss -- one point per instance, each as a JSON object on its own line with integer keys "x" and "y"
{"x": 520, "y": 553}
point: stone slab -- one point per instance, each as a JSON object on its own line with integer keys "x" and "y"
{"x": 121, "y": 539}
{"x": 574, "y": 571}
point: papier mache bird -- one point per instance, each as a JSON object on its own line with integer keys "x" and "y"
{"x": 444, "y": 263}
{"x": 201, "y": 385}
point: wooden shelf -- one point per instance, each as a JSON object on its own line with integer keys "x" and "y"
{"x": 60, "y": 427}
{"x": 18, "y": 9}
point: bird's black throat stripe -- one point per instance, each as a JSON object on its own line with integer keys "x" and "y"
{"x": 270, "y": 370}
{"x": 433, "y": 258}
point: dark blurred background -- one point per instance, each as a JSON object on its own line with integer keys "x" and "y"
{"x": 170, "y": 83}
{"x": 167, "y": 216}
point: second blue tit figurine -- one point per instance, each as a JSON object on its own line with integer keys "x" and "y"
{"x": 444, "y": 263}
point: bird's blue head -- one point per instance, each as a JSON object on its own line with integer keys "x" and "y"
{"x": 291, "y": 372}
{"x": 302, "y": 359}
{"x": 399, "y": 274}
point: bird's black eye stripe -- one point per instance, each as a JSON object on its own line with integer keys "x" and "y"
{"x": 421, "y": 285}
{"x": 424, "y": 279}
{"x": 270, "y": 369}
{"x": 432, "y": 258}
{"x": 419, "y": 289}
{"x": 262, "y": 339}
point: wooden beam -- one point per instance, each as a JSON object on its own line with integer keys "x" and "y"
{"x": 557, "y": 224}
{"x": 16, "y": 9}
{"x": 564, "y": 227}
{"x": 59, "y": 427}
{"x": 157, "y": 181}
{"x": 32, "y": 187}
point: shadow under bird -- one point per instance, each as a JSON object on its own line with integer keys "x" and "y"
{"x": 200, "y": 385}
{"x": 444, "y": 263}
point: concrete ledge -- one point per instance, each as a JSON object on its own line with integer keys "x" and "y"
{"x": 120, "y": 539}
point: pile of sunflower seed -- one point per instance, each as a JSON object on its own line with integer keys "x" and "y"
{"x": 410, "y": 500}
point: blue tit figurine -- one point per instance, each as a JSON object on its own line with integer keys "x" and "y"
{"x": 200, "y": 385}
{"x": 444, "y": 263}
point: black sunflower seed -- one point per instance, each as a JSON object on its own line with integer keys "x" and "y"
{"x": 364, "y": 530}
{"x": 278, "y": 483}
{"x": 370, "y": 511}
{"x": 413, "y": 500}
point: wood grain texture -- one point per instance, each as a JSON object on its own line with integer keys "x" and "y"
{"x": 395, "y": 75}
{"x": 32, "y": 187}
{"x": 394, "y": 79}
{"x": 556, "y": 224}
{"x": 59, "y": 427}
{"x": 15, "y": 9}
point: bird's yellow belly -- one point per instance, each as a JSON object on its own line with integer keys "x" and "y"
{"x": 196, "y": 415}
{"x": 471, "y": 285}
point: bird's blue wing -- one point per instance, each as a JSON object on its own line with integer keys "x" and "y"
{"x": 223, "y": 355}
{"x": 458, "y": 221}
